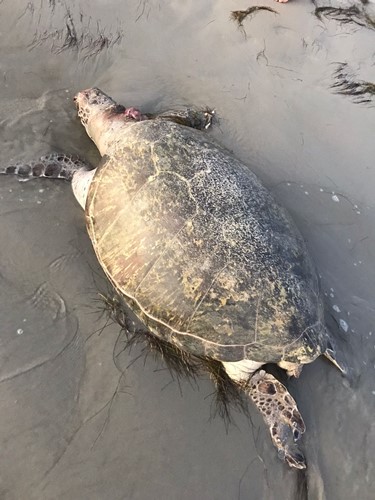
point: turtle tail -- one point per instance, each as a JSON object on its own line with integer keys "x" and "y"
{"x": 335, "y": 356}
{"x": 54, "y": 166}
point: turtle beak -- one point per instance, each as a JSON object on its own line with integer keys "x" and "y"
{"x": 81, "y": 96}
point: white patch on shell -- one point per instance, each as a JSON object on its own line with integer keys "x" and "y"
{"x": 80, "y": 184}
{"x": 241, "y": 370}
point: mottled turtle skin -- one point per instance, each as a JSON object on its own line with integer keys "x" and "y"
{"x": 200, "y": 248}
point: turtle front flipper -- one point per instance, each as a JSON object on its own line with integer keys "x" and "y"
{"x": 198, "y": 119}
{"x": 54, "y": 166}
{"x": 280, "y": 413}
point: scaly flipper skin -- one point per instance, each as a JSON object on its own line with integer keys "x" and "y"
{"x": 54, "y": 166}
{"x": 280, "y": 413}
{"x": 198, "y": 119}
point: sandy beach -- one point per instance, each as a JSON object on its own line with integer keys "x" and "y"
{"x": 293, "y": 87}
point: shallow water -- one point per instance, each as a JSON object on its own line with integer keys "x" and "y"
{"x": 72, "y": 426}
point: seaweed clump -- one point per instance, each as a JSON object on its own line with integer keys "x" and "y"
{"x": 239, "y": 16}
{"x": 349, "y": 15}
{"x": 85, "y": 40}
{"x": 361, "y": 91}
{"x": 181, "y": 364}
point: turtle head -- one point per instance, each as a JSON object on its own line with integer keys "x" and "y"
{"x": 92, "y": 103}
{"x": 96, "y": 111}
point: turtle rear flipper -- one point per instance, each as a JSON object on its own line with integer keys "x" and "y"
{"x": 280, "y": 412}
{"x": 53, "y": 166}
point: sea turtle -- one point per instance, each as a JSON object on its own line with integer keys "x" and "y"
{"x": 189, "y": 236}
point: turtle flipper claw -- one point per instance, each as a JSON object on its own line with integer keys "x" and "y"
{"x": 281, "y": 414}
{"x": 295, "y": 459}
{"x": 284, "y": 438}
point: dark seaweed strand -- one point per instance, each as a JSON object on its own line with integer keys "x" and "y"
{"x": 54, "y": 166}
{"x": 350, "y": 15}
{"x": 240, "y": 15}
{"x": 180, "y": 363}
{"x": 228, "y": 395}
{"x": 361, "y": 91}
{"x": 81, "y": 40}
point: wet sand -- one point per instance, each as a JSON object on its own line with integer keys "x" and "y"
{"x": 75, "y": 424}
